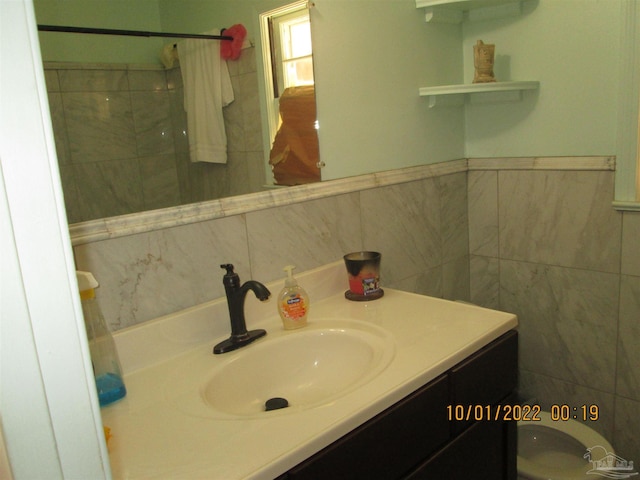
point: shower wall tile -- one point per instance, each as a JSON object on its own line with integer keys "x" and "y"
{"x": 109, "y": 188}
{"x": 234, "y": 66}
{"x": 174, "y": 78}
{"x": 247, "y": 61}
{"x": 238, "y": 170}
{"x": 191, "y": 180}
{"x": 256, "y": 166}
{"x": 184, "y": 182}
{"x": 547, "y": 391}
{"x": 243, "y": 125}
{"x": 179, "y": 121}
{"x": 217, "y": 180}
{"x": 100, "y": 126}
{"x": 152, "y": 118}
{"x": 307, "y": 235}
{"x": 233, "y": 121}
{"x": 483, "y": 213}
{"x": 628, "y": 374}
{"x": 410, "y": 242}
{"x": 567, "y": 319}
{"x": 147, "y": 275}
{"x": 110, "y": 113}
{"x": 147, "y": 80}
{"x": 93, "y": 80}
{"x": 626, "y": 440}
{"x": 251, "y": 115}
{"x": 631, "y": 243}
{"x": 559, "y": 218}
{"x": 159, "y": 181}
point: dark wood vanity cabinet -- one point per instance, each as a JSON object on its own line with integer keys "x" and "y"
{"x": 417, "y": 439}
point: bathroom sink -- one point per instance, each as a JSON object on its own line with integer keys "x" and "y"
{"x": 307, "y": 368}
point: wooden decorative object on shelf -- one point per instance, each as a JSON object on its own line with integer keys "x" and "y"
{"x": 483, "y": 57}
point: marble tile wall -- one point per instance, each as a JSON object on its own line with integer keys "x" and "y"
{"x": 548, "y": 246}
{"x": 122, "y": 145}
{"x": 150, "y": 274}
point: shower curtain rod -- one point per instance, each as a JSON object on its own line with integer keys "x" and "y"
{"x": 128, "y": 33}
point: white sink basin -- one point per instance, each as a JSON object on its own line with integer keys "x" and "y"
{"x": 308, "y": 367}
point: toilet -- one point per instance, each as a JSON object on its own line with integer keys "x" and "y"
{"x": 555, "y": 450}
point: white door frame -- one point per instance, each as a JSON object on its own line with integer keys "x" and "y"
{"x": 49, "y": 413}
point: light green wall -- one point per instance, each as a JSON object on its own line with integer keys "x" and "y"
{"x": 370, "y": 58}
{"x": 120, "y": 14}
{"x": 202, "y": 16}
{"x": 571, "y": 47}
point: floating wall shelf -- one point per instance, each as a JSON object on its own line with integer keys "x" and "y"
{"x": 476, "y": 88}
{"x": 456, "y": 11}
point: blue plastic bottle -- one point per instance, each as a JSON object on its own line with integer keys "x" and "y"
{"x": 104, "y": 356}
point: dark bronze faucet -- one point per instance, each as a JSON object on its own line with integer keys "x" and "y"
{"x": 236, "y": 294}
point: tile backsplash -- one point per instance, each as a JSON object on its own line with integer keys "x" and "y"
{"x": 542, "y": 243}
{"x": 154, "y": 273}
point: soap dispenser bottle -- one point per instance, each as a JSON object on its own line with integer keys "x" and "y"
{"x": 104, "y": 356}
{"x": 293, "y": 302}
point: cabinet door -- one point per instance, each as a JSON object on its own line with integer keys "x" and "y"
{"x": 479, "y": 453}
{"x": 390, "y": 444}
{"x": 486, "y": 377}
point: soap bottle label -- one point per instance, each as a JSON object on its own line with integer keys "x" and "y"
{"x": 293, "y": 307}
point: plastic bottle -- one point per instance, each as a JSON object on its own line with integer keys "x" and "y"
{"x": 293, "y": 302}
{"x": 104, "y": 356}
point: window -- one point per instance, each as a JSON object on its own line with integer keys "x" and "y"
{"x": 296, "y": 64}
{"x": 287, "y": 54}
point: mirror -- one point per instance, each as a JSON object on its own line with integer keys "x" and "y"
{"x": 120, "y": 128}
{"x": 368, "y": 66}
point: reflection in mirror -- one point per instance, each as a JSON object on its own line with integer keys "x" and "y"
{"x": 290, "y": 94}
{"x": 119, "y": 123}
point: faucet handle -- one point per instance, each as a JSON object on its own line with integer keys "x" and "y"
{"x": 230, "y": 279}
{"x": 228, "y": 267}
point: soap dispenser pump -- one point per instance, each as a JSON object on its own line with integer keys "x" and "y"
{"x": 293, "y": 302}
{"x": 104, "y": 356}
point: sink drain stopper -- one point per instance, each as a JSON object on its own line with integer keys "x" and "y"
{"x": 276, "y": 403}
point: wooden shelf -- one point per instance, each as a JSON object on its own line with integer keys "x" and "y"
{"x": 456, "y": 11}
{"x": 476, "y": 88}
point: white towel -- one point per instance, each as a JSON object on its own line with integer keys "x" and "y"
{"x": 207, "y": 88}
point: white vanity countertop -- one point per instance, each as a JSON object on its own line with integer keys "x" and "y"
{"x": 155, "y": 437}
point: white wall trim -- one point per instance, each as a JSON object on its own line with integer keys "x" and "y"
{"x": 544, "y": 163}
{"x": 628, "y": 106}
{"x": 50, "y": 415}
